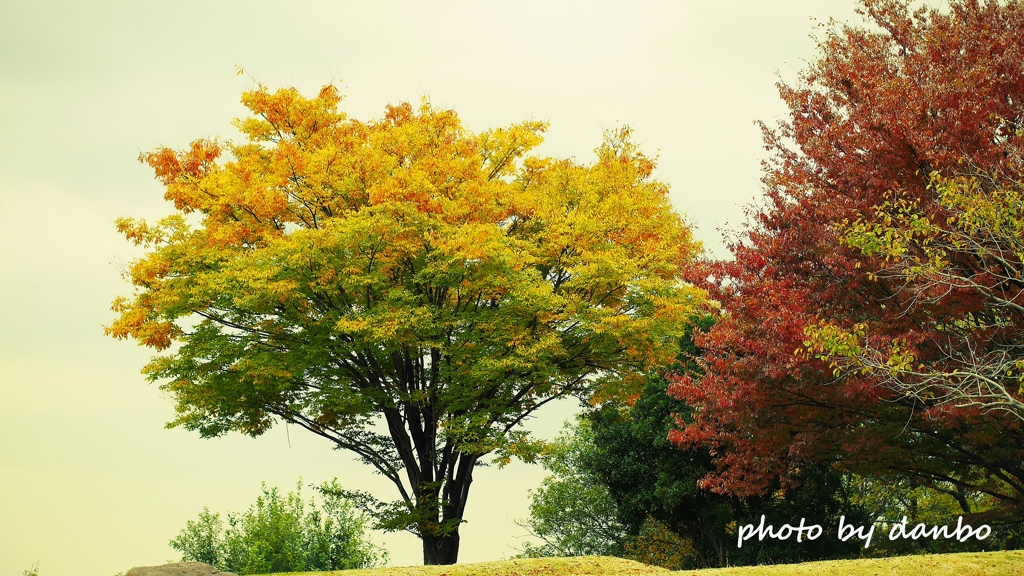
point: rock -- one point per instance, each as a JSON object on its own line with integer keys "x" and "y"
{"x": 178, "y": 569}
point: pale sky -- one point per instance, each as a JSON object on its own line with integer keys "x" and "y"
{"x": 91, "y": 483}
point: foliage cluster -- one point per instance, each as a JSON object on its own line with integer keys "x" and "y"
{"x": 967, "y": 242}
{"x": 282, "y": 534}
{"x": 888, "y": 499}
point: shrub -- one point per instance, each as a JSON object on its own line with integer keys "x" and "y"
{"x": 282, "y": 534}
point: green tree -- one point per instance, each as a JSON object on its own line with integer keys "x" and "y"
{"x": 618, "y": 487}
{"x": 282, "y": 534}
{"x": 651, "y": 479}
{"x": 571, "y": 511}
{"x": 404, "y": 288}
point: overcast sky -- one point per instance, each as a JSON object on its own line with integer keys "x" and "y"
{"x": 90, "y": 482}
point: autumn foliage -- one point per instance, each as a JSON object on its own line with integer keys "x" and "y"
{"x": 405, "y": 288}
{"x": 882, "y": 108}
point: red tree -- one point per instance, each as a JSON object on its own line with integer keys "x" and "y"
{"x": 879, "y": 110}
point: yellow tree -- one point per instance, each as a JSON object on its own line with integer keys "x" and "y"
{"x": 405, "y": 288}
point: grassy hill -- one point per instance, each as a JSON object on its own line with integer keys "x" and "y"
{"x": 971, "y": 564}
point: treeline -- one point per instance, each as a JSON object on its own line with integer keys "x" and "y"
{"x": 619, "y": 487}
{"x": 863, "y": 353}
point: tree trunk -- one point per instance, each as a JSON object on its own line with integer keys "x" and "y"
{"x": 441, "y": 549}
{"x": 440, "y": 534}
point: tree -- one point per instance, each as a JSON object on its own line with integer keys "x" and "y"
{"x": 879, "y": 110}
{"x": 571, "y": 511}
{"x": 404, "y": 288}
{"x": 282, "y": 534}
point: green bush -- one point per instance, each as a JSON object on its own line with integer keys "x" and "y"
{"x": 282, "y": 534}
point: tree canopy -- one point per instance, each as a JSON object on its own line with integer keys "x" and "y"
{"x": 653, "y": 482}
{"x": 404, "y": 288}
{"x": 871, "y": 119}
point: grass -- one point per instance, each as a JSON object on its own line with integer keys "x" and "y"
{"x": 576, "y": 566}
{"x": 1008, "y": 563}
